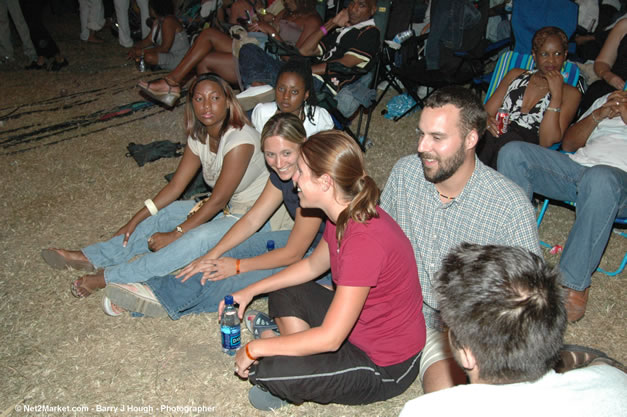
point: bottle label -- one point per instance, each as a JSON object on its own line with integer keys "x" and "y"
{"x": 231, "y": 337}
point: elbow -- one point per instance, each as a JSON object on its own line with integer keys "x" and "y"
{"x": 218, "y": 201}
{"x": 567, "y": 146}
{"x": 332, "y": 344}
{"x": 293, "y": 257}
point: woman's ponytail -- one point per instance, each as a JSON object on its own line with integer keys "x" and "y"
{"x": 335, "y": 153}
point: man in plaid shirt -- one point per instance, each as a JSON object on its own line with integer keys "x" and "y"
{"x": 444, "y": 196}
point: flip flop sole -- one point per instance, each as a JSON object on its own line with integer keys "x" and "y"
{"x": 134, "y": 301}
{"x": 57, "y": 261}
{"x": 107, "y": 307}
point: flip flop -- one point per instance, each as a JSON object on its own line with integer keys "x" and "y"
{"x": 76, "y": 285}
{"x": 257, "y": 322}
{"x": 137, "y": 298}
{"x": 107, "y": 307}
{"x": 58, "y": 261}
{"x": 576, "y": 356}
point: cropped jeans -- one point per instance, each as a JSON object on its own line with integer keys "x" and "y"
{"x": 600, "y": 194}
{"x": 190, "y": 297}
{"x": 114, "y": 258}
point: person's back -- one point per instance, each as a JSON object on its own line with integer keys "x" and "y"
{"x": 505, "y": 312}
{"x": 597, "y": 390}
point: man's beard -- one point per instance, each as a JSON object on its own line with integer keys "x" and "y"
{"x": 446, "y": 168}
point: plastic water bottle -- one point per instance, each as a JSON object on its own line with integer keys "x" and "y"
{"x": 401, "y": 37}
{"x": 141, "y": 64}
{"x": 270, "y": 245}
{"x": 230, "y": 328}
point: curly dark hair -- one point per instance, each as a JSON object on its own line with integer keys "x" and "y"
{"x": 302, "y": 68}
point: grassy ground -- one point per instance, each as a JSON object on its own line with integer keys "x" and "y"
{"x": 68, "y": 183}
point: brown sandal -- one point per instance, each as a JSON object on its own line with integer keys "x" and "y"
{"x": 168, "y": 98}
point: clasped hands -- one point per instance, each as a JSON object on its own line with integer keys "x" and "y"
{"x": 615, "y": 105}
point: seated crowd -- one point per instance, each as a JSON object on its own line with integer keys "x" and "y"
{"x": 439, "y": 276}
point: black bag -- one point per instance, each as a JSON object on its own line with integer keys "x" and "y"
{"x": 153, "y": 151}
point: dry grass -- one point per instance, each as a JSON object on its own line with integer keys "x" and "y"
{"x": 75, "y": 186}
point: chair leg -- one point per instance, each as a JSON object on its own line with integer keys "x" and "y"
{"x": 622, "y": 265}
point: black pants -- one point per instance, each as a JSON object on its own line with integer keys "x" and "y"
{"x": 489, "y": 146}
{"x": 43, "y": 42}
{"x": 346, "y": 376}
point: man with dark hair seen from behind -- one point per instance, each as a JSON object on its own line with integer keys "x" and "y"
{"x": 505, "y": 312}
{"x": 444, "y": 196}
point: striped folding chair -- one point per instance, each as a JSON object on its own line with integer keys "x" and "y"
{"x": 510, "y": 60}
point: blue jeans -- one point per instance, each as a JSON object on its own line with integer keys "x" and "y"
{"x": 114, "y": 258}
{"x": 255, "y": 65}
{"x": 190, "y": 297}
{"x": 600, "y": 194}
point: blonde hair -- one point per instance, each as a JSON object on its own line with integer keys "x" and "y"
{"x": 336, "y": 154}
{"x": 285, "y": 125}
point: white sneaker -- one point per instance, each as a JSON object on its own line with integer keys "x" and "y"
{"x": 250, "y": 97}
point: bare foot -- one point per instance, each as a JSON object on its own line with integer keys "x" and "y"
{"x": 93, "y": 38}
{"x": 67, "y": 259}
{"x": 87, "y": 284}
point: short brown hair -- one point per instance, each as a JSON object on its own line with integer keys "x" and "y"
{"x": 546, "y": 32}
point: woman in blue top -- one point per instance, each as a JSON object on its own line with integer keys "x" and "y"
{"x": 201, "y": 285}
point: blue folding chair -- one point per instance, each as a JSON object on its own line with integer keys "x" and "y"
{"x": 619, "y": 221}
{"x": 530, "y": 15}
{"x": 511, "y": 59}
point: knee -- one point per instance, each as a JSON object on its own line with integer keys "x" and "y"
{"x": 600, "y": 180}
{"x": 511, "y": 157}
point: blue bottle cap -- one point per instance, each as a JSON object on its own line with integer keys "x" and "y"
{"x": 228, "y": 300}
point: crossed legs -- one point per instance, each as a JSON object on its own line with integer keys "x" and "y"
{"x": 211, "y": 52}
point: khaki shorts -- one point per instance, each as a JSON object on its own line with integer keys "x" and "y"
{"x": 436, "y": 349}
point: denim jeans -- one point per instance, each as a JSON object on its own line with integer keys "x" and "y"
{"x": 257, "y": 65}
{"x": 600, "y": 194}
{"x": 190, "y": 297}
{"x": 114, "y": 258}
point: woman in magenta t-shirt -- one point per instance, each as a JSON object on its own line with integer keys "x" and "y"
{"x": 360, "y": 343}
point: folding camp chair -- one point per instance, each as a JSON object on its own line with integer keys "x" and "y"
{"x": 510, "y": 60}
{"x": 368, "y": 78}
{"x": 462, "y": 66}
{"x": 530, "y": 15}
{"x": 618, "y": 221}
